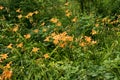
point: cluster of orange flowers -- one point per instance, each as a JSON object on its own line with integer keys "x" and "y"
{"x": 60, "y": 39}
{"x": 30, "y": 14}
{"x": 86, "y": 41}
{"x": 109, "y": 21}
{"x": 67, "y": 12}
{"x": 56, "y": 21}
{"x": 36, "y": 49}
{"x": 7, "y": 73}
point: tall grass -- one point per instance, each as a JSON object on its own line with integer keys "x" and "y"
{"x": 54, "y": 40}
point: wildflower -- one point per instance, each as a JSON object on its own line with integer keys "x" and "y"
{"x": 1, "y": 7}
{"x": 74, "y": 19}
{"x": 18, "y": 10}
{"x": 93, "y": 32}
{"x": 68, "y": 14}
{"x": 42, "y": 24}
{"x": 66, "y": 4}
{"x": 62, "y": 45}
{"x": 20, "y": 45}
{"x": 58, "y": 24}
{"x": 94, "y": 42}
{"x": 20, "y": 16}
{"x": 35, "y": 49}
{"x": 96, "y": 25}
{"x": 47, "y": 39}
{"x": 3, "y": 56}
{"x": 57, "y": 37}
{"x": 63, "y": 38}
{"x": 66, "y": 11}
{"x": 56, "y": 41}
{"x": 82, "y": 44}
{"x": 10, "y": 46}
{"x": 6, "y": 74}
{"x": 88, "y": 39}
{"x": 29, "y": 15}
{"x": 36, "y": 31}
{"x": 69, "y": 38}
{"x": 63, "y": 34}
{"x": 8, "y": 65}
{"x": 27, "y": 36}
{"x": 46, "y": 56}
{"x": 104, "y": 19}
{"x": 15, "y": 29}
{"x": 53, "y": 34}
{"x": 54, "y": 20}
{"x": 36, "y": 12}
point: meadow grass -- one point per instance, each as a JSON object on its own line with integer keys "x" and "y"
{"x": 69, "y": 46}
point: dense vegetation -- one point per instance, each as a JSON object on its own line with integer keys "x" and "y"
{"x": 59, "y": 40}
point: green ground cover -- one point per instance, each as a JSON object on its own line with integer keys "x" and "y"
{"x": 59, "y": 40}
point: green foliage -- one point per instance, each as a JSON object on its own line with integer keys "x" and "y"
{"x": 104, "y": 7}
{"x": 53, "y": 40}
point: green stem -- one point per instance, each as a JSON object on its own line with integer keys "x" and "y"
{"x": 54, "y": 49}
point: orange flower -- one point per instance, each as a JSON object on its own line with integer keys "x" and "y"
{"x": 8, "y": 65}
{"x": 82, "y": 44}
{"x": 6, "y": 75}
{"x": 104, "y": 19}
{"x": 15, "y": 28}
{"x": 62, "y": 45}
{"x": 53, "y": 34}
{"x": 30, "y": 14}
{"x": 20, "y": 45}
{"x": 46, "y": 56}
{"x": 69, "y": 38}
{"x": 57, "y": 37}
{"x": 68, "y": 14}
{"x": 36, "y": 12}
{"x": 58, "y": 24}
{"x": 93, "y": 32}
{"x": 94, "y": 42}
{"x": 66, "y": 11}
{"x": 74, "y": 19}
{"x": 88, "y": 39}
{"x": 47, "y": 39}
{"x": 10, "y": 46}
{"x": 54, "y": 20}
{"x": 1, "y": 7}
{"x": 42, "y": 24}
{"x": 56, "y": 41}
{"x": 36, "y": 30}
{"x": 27, "y": 36}
{"x": 3, "y": 56}
{"x": 63, "y": 34}
{"x": 18, "y": 10}
{"x": 96, "y": 25}
{"x": 35, "y": 49}
{"x": 20, "y": 16}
